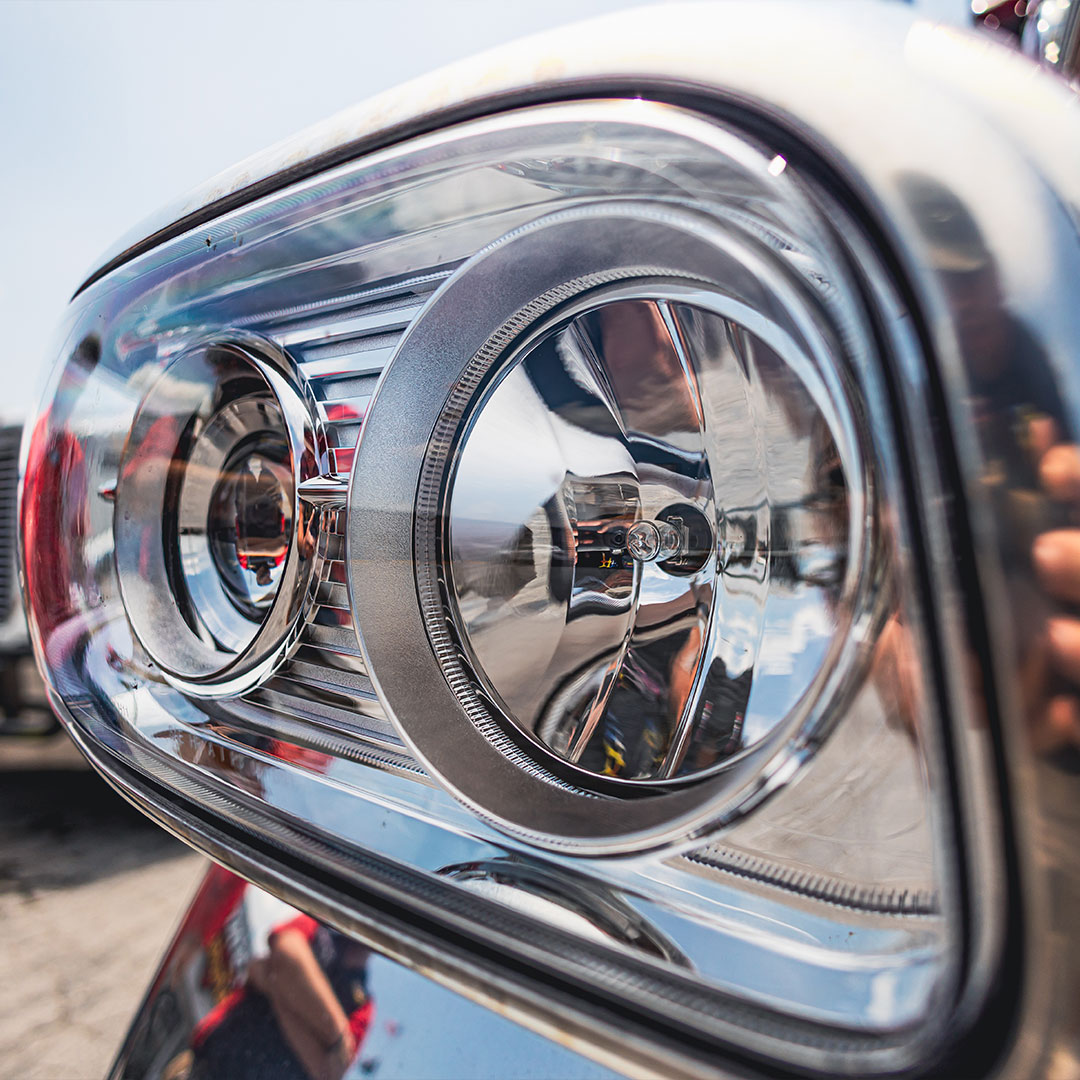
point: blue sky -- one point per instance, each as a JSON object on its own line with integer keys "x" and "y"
{"x": 108, "y": 110}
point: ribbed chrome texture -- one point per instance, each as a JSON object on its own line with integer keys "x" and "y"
{"x": 9, "y": 480}
{"x": 324, "y": 682}
{"x": 885, "y": 901}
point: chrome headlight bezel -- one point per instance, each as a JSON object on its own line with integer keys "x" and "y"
{"x": 550, "y": 270}
{"x": 310, "y": 755}
{"x": 822, "y": 128}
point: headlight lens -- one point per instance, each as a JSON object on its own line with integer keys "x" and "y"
{"x": 248, "y": 527}
{"x": 561, "y": 667}
{"x": 623, "y": 569}
{"x": 646, "y": 505}
{"x": 214, "y": 550}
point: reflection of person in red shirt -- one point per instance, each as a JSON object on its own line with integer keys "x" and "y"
{"x": 292, "y": 993}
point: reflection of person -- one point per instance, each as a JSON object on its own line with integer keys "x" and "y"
{"x": 1032, "y": 474}
{"x": 295, "y": 1002}
{"x": 262, "y": 535}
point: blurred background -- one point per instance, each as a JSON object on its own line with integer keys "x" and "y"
{"x": 108, "y": 110}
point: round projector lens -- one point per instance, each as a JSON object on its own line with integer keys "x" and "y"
{"x": 250, "y": 525}
{"x": 208, "y": 515}
{"x": 235, "y": 518}
{"x": 649, "y": 527}
{"x": 642, "y": 541}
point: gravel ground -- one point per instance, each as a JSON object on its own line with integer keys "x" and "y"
{"x": 90, "y": 891}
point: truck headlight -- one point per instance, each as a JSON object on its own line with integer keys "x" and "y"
{"x": 510, "y": 544}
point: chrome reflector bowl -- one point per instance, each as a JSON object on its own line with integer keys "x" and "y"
{"x": 612, "y": 373}
{"x": 648, "y": 523}
{"x": 214, "y": 549}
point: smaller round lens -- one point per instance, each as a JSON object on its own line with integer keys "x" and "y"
{"x": 235, "y": 520}
{"x": 207, "y": 515}
{"x": 250, "y": 525}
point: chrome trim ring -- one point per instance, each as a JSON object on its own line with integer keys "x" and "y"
{"x": 520, "y": 283}
{"x": 213, "y": 650}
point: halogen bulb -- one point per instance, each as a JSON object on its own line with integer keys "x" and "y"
{"x": 649, "y": 541}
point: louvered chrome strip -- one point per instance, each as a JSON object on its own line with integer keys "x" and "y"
{"x": 329, "y": 677}
{"x": 360, "y": 362}
{"x": 339, "y": 638}
{"x": 351, "y": 410}
{"x": 331, "y": 594}
{"x": 342, "y": 460}
{"x": 389, "y": 316}
{"x": 343, "y": 435}
{"x": 334, "y": 547}
{"x": 347, "y": 388}
{"x": 282, "y": 319}
{"x": 315, "y": 734}
{"x": 336, "y": 709}
{"x": 325, "y": 682}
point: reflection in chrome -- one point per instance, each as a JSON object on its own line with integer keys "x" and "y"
{"x": 234, "y": 522}
{"x": 567, "y": 901}
{"x": 1045, "y": 31}
{"x": 648, "y": 501}
{"x": 271, "y": 992}
{"x": 215, "y": 546}
{"x": 252, "y": 989}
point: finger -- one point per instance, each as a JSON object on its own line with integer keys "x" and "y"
{"x": 1059, "y": 725}
{"x": 1059, "y": 472}
{"x": 1063, "y": 642}
{"x": 1041, "y": 435}
{"x": 1056, "y": 556}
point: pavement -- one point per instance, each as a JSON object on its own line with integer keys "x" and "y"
{"x": 90, "y": 892}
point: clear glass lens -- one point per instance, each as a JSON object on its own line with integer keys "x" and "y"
{"x": 649, "y": 525}
{"x": 207, "y": 501}
{"x": 250, "y": 525}
{"x": 234, "y": 519}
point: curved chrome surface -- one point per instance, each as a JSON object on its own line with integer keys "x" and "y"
{"x": 732, "y": 56}
{"x": 627, "y": 658}
{"x": 330, "y": 775}
{"x": 335, "y": 271}
{"x": 1045, "y": 32}
{"x": 1014, "y": 305}
{"x": 250, "y": 988}
{"x": 215, "y": 546}
{"x": 768, "y": 272}
{"x": 237, "y": 532}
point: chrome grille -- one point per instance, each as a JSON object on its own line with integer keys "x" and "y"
{"x": 324, "y": 684}
{"x": 9, "y": 482}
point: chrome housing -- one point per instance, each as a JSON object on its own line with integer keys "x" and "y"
{"x": 887, "y": 177}
{"x": 496, "y": 308}
{"x": 211, "y": 611}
